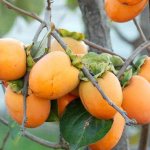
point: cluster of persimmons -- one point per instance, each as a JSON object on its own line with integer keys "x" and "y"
{"x": 54, "y": 77}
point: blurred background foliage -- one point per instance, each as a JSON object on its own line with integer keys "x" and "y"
{"x": 65, "y": 14}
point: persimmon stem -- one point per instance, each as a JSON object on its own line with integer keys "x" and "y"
{"x": 94, "y": 82}
{"x": 25, "y": 93}
{"x": 37, "y": 139}
{"x": 138, "y": 50}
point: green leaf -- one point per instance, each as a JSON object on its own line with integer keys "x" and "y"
{"x": 39, "y": 49}
{"x": 116, "y": 61}
{"x": 15, "y": 132}
{"x": 79, "y": 128}
{"x": 72, "y": 4}
{"x": 126, "y": 77}
{"x": 16, "y": 85}
{"x": 139, "y": 63}
{"x": 7, "y": 19}
{"x": 35, "y": 6}
{"x": 53, "y": 117}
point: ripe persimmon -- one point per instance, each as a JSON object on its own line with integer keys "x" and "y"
{"x": 78, "y": 47}
{"x": 63, "y": 103}
{"x": 136, "y": 99}
{"x": 12, "y": 59}
{"x": 145, "y": 69}
{"x": 37, "y": 109}
{"x": 130, "y": 2}
{"x": 113, "y": 136}
{"x": 53, "y": 76}
{"x": 93, "y": 100}
{"x": 119, "y": 12}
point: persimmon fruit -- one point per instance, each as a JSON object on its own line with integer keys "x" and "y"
{"x": 77, "y": 47}
{"x": 53, "y": 76}
{"x": 119, "y": 12}
{"x": 130, "y": 2}
{"x": 93, "y": 100}
{"x": 145, "y": 69}
{"x": 37, "y": 109}
{"x": 63, "y": 102}
{"x": 113, "y": 136}
{"x": 12, "y": 59}
{"x": 136, "y": 99}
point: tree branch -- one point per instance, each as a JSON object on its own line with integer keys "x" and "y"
{"x": 37, "y": 139}
{"x": 21, "y": 11}
{"x": 25, "y": 93}
{"x": 142, "y": 34}
{"x": 48, "y": 21}
{"x": 101, "y": 48}
{"x": 144, "y": 137}
{"x": 139, "y": 49}
{"x": 94, "y": 82}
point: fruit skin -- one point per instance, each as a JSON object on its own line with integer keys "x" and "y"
{"x": 145, "y": 69}
{"x": 37, "y": 109}
{"x": 78, "y": 47}
{"x": 136, "y": 99}
{"x": 130, "y": 2}
{"x": 113, "y": 135}
{"x": 93, "y": 100}
{"x": 119, "y": 12}
{"x": 53, "y": 76}
{"x": 63, "y": 102}
{"x": 12, "y": 59}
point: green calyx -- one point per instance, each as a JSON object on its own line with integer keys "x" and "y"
{"x": 75, "y": 60}
{"x": 75, "y": 35}
{"x": 126, "y": 77}
{"x": 30, "y": 61}
{"x": 16, "y": 85}
{"x": 138, "y": 63}
{"x": 98, "y": 64}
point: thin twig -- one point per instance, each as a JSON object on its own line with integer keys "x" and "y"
{"x": 41, "y": 27}
{"x": 100, "y": 48}
{"x": 142, "y": 34}
{"x": 5, "y": 140}
{"x": 94, "y": 82}
{"x": 139, "y": 49}
{"x": 48, "y": 21}
{"x": 21, "y": 11}
{"x": 109, "y": 101}
{"x": 37, "y": 139}
{"x": 25, "y": 93}
{"x": 140, "y": 30}
{"x": 143, "y": 143}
